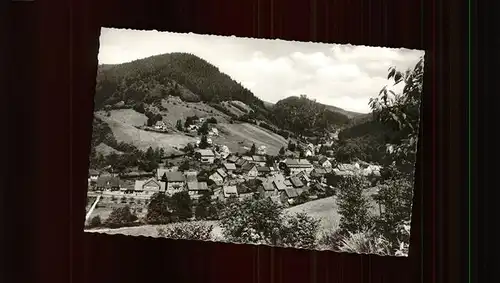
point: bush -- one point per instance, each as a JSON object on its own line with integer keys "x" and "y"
{"x": 187, "y": 231}
{"x": 120, "y": 217}
{"x": 159, "y": 211}
{"x": 139, "y": 107}
{"x": 95, "y": 221}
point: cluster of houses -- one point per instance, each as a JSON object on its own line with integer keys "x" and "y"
{"x": 282, "y": 181}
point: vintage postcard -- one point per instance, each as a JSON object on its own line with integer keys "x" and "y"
{"x": 254, "y": 141}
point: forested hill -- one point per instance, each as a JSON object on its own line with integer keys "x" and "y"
{"x": 305, "y": 116}
{"x": 150, "y": 79}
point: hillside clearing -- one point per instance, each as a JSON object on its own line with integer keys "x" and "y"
{"x": 325, "y": 209}
{"x": 105, "y": 149}
{"x": 124, "y": 132}
{"x": 248, "y": 134}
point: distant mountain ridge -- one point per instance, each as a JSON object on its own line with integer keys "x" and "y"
{"x": 350, "y": 114}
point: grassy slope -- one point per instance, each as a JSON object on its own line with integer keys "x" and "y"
{"x": 125, "y": 132}
{"x": 105, "y": 149}
{"x": 249, "y": 134}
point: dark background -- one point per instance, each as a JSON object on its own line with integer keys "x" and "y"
{"x": 52, "y": 61}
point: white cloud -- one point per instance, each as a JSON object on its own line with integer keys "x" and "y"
{"x": 341, "y": 75}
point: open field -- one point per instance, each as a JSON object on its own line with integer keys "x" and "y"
{"x": 248, "y": 134}
{"x": 325, "y": 209}
{"x": 105, "y": 149}
{"x": 125, "y": 132}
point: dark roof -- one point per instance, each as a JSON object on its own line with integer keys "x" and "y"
{"x": 259, "y": 158}
{"x": 108, "y": 181}
{"x": 263, "y": 169}
{"x": 268, "y": 185}
{"x": 241, "y": 162}
{"x": 248, "y": 166}
{"x": 175, "y": 176}
{"x": 93, "y": 172}
{"x": 323, "y": 160}
{"x": 291, "y": 193}
{"x": 296, "y": 182}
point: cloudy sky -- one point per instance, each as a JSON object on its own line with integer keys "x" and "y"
{"x": 345, "y": 76}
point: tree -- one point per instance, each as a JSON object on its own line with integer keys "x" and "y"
{"x": 300, "y": 231}
{"x": 179, "y": 126}
{"x": 395, "y": 196}
{"x": 212, "y": 120}
{"x": 120, "y": 217}
{"x": 401, "y": 112}
{"x": 202, "y": 210}
{"x": 261, "y": 221}
{"x": 95, "y": 221}
{"x": 187, "y": 231}
{"x": 181, "y": 206}
{"x": 291, "y": 146}
{"x": 203, "y": 130}
{"x": 252, "y": 150}
{"x": 159, "y": 211}
{"x": 282, "y": 151}
{"x": 353, "y": 205}
{"x": 203, "y": 142}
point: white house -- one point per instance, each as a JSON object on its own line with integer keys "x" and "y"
{"x": 250, "y": 170}
{"x": 261, "y": 150}
{"x": 207, "y": 155}
{"x": 213, "y": 132}
{"x": 324, "y": 162}
{"x": 93, "y": 175}
{"x": 160, "y": 126}
{"x": 230, "y": 191}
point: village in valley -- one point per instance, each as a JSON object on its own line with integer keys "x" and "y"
{"x": 182, "y": 150}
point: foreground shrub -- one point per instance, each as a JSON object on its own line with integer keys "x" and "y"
{"x": 121, "y": 216}
{"x": 365, "y": 243}
{"x": 187, "y": 231}
{"x": 95, "y": 222}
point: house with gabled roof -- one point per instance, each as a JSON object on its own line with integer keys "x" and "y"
{"x": 149, "y": 186}
{"x": 296, "y": 182}
{"x": 222, "y": 173}
{"x": 298, "y": 165}
{"x": 107, "y": 183}
{"x": 232, "y": 158}
{"x": 250, "y": 170}
{"x": 229, "y": 167}
{"x": 240, "y": 162}
{"x": 324, "y": 162}
{"x": 288, "y": 196}
{"x": 196, "y": 189}
{"x": 93, "y": 175}
{"x": 161, "y": 172}
{"x": 230, "y": 191}
{"x": 259, "y": 160}
{"x": 216, "y": 178}
{"x": 206, "y": 155}
{"x": 263, "y": 171}
{"x": 176, "y": 182}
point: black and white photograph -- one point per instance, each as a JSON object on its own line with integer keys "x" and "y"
{"x": 254, "y": 141}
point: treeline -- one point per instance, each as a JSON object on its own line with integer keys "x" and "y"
{"x": 156, "y": 77}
